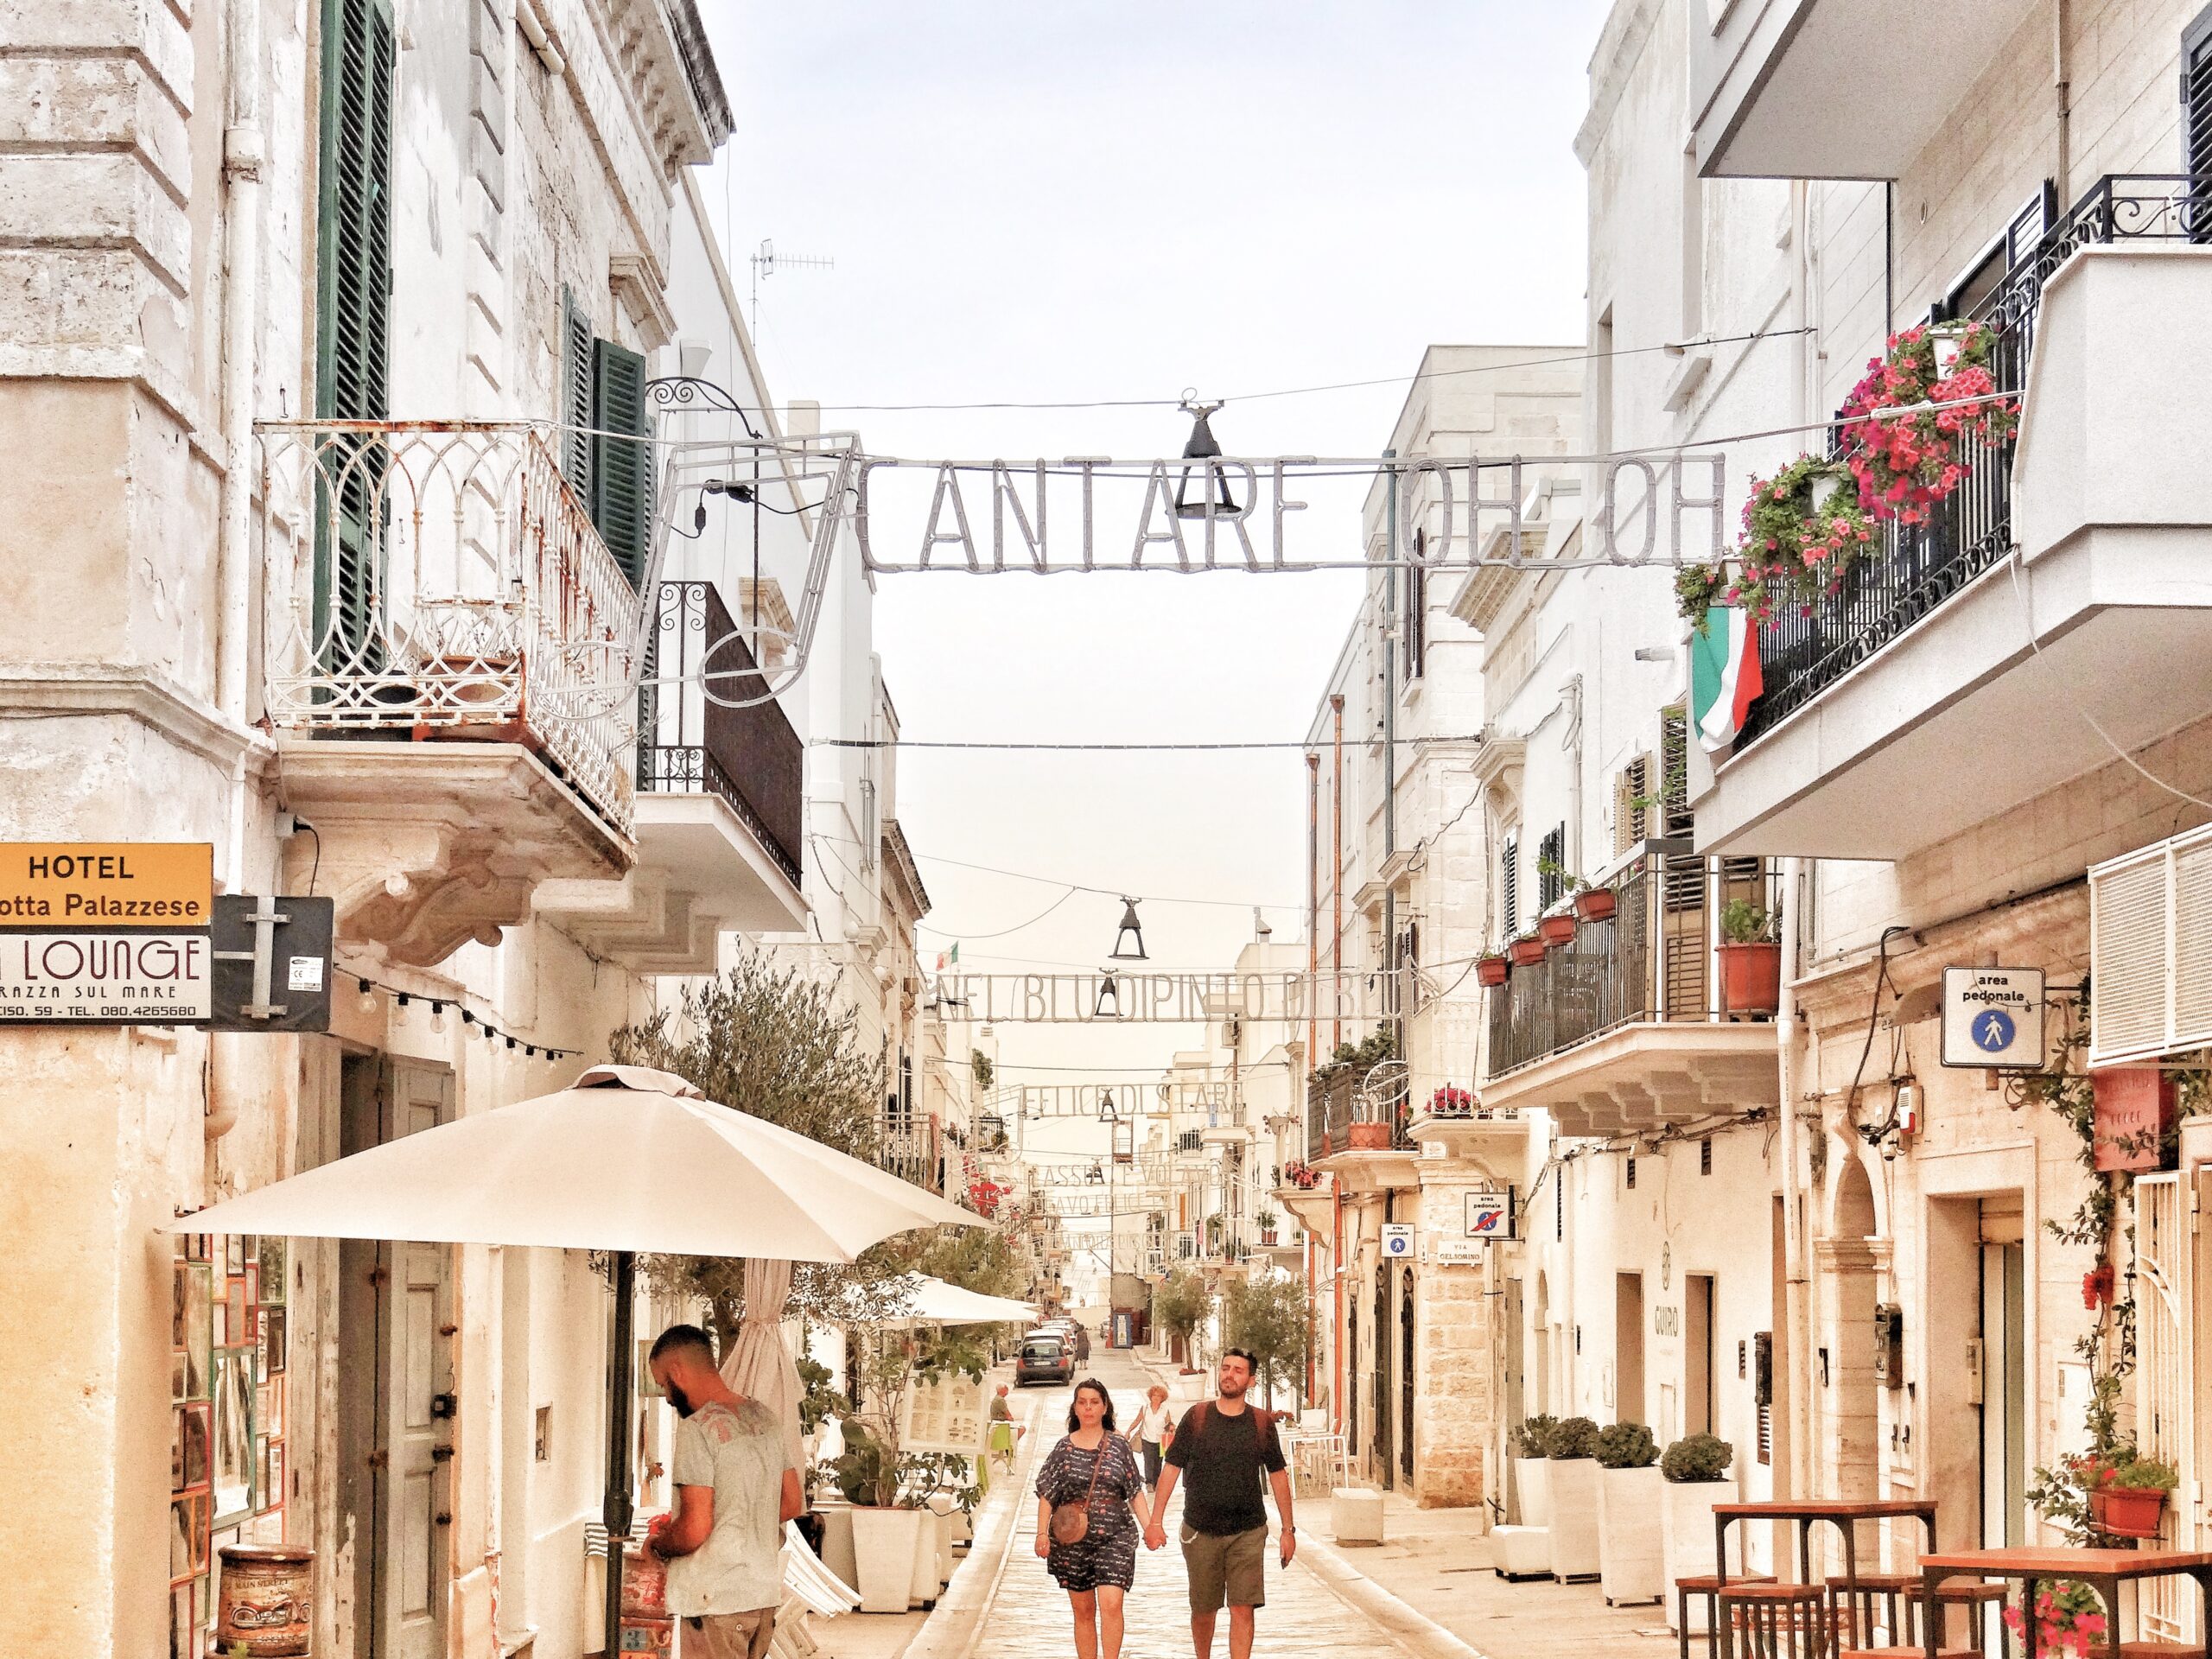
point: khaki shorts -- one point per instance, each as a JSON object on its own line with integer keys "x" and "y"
{"x": 1228, "y": 1567}
{"x": 730, "y": 1635}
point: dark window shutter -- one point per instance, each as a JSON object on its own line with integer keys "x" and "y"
{"x": 1674, "y": 815}
{"x": 2196, "y": 122}
{"x": 352, "y": 315}
{"x": 576, "y": 366}
{"x": 621, "y": 468}
{"x": 1551, "y": 858}
{"x": 1509, "y": 886}
{"x": 1417, "y": 608}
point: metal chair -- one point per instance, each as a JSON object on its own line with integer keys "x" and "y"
{"x": 1772, "y": 1621}
{"x": 1707, "y": 1587}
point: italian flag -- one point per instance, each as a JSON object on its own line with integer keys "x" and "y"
{"x": 1724, "y": 674}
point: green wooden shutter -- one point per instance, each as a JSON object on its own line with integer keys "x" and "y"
{"x": 576, "y": 378}
{"x": 621, "y": 468}
{"x": 353, "y": 313}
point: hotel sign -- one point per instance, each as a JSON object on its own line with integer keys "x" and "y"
{"x": 106, "y": 933}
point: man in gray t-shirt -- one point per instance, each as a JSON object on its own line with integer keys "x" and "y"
{"x": 734, "y": 1489}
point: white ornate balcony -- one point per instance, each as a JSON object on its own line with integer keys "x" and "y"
{"x": 451, "y": 672}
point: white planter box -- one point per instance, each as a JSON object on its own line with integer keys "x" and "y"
{"x": 1518, "y": 1552}
{"x": 1686, "y": 1540}
{"x": 1574, "y": 1526}
{"x": 926, "y": 1584}
{"x": 1630, "y": 1567}
{"x": 1533, "y": 1482}
{"x": 885, "y": 1542}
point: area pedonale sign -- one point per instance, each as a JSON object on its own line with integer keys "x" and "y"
{"x": 106, "y": 933}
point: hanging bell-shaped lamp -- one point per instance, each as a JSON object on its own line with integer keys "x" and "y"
{"x": 1202, "y": 490}
{"x": 1108, "y": 1006}
{"x": 1106, "y": 1113}
{"x": 1129, "y": 940}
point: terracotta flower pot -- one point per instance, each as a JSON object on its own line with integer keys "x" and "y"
{"x": 2132, "y": 1511}
{"x": 1368, "y": 1137}
{"x": 1750, "y": 977}
{"x": 1526, "y": 952}
{"x": 1557, "y": 930}
{"x": 1596, "y": 904}
{"x": 1491, "y": 970}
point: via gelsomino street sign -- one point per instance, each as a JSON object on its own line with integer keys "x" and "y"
{"x": 106, "y": 933}
{"x": 1993, "y": 1017}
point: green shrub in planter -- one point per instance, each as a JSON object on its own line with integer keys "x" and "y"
{"x": 1697, "y": 1458}
{"x": 1575, "y": 1436}
{"x": 1532, "y": 1436}
{"x": 2145, "y": 1474}
{"x": 1627, "y": 1445}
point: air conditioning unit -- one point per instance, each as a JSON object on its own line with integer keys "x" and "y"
{"x": 2151, "y": 951}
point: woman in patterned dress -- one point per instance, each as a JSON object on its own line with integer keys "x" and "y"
{"x": 1097, "y": 1569}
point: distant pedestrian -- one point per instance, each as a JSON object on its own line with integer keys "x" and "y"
{"x": 1082, "y": 1344}
{"x": 1089, "y": 1486}
{"x": 734, "y": 1489}
{"x": 1153, "y": 1428}
{"x": 1229, "y": 1450}
{"x": 1005, "y": 1433}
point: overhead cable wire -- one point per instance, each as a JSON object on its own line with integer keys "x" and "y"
{"x": 1413, "y": 378}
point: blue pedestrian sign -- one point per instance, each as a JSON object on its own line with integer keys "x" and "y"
{"x": 1992, "y": 1018}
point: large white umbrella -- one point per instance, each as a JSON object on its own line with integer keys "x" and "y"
{"x": 626, "y": 1160}
{"x": 922, "y": 1300}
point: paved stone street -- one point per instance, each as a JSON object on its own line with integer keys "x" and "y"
{"x": 1005, "y": 1606}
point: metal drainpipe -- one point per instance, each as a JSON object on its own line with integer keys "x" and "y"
{"x": 1787, "y": 1031}
{"x": 1337, "y": 877}
{"x": 1390, "y": 747}
{"x": 242, "y": 147}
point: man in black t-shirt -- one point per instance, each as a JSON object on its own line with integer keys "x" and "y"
{"x": 1228, "y": 1454}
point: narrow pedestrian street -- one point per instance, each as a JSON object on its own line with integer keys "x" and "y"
{"x": 1021, "y": 1613}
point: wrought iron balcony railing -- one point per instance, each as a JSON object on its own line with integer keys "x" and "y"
{"x": 708, "y": 725}
{"x": 441, "y": 579}
{"x": 1652, "y": 960}
{"x": 1922, "y": 565}
{"x": 1344, "y": 1108}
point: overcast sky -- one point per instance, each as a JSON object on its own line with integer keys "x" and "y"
{"x": 1070, "y": 202}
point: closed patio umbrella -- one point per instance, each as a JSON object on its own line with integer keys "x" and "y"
{"x": 627, "y": 1160}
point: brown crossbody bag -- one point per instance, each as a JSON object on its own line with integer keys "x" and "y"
{"x": 1070, "y": 1522}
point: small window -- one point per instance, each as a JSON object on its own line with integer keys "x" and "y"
{"x": 1416, "y": 620}
{"x": 1705, "y": 1156}
{"x": 1551, "y": 867}
{"x": 541, "y": 1436}
{"x": 1509, "y": 885}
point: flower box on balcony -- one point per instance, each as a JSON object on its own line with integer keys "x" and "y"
{"x": 1750, "y": 977}
{"x": 1491, "y": 970}
{"x": 1596, "y": 904}
{"x": 1368, "y": 1137}
{"x": 1557, "y": 930}
{"x": 1526, "y": 951}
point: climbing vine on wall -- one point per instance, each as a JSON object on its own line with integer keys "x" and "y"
{"x": 2106, "y": 1211}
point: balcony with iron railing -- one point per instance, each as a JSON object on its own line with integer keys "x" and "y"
{"x": 451, "y": 658}
{"x": 1627, "y": 1025}
{"x": 1355, "y": 1123}
{"x": 2070, "y": 567}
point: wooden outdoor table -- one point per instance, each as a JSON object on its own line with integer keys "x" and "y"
{"x": 1843, "y": 1513}
{"x": 2103, "y": 1570}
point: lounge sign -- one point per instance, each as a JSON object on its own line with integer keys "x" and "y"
{"x": 106, "y": 933}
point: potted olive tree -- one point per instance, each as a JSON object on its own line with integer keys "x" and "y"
{"x": 1629, "y": 1562}
{"x": 1574, "y": 1477}
{"x": 1530, "y": 1448}
{"x": 1695, "y": 1477}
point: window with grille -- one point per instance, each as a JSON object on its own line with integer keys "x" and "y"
{"x": 2196, "y": 115}
{"x": 1551, "y": 862}
{"x": 1509, "y": 885}
{"x": 1632, "y": 803}
{"x": 1673, "y": 783}
{"x": 1705, "y": 1156}
{"x": 353, "y": 304}
{"x": 1416, "y": 619}
{"x": 1630, "y": 1169}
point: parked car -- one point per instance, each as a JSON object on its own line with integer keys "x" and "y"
{"x": 1045, "y": 1358}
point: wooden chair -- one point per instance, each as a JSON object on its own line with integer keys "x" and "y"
{"x": 2160, "y": 1650}
{"x": 1977, "y": 1597}
{"x": 1773, "y": 1621}
{"x": 1858, "y": 1606}
{"x": 1707, "y": 1587}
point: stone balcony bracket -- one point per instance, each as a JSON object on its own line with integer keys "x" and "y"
{"x": 427, "y": 846}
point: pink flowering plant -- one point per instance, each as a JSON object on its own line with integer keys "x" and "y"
{"x": 1907, "y": 464}
{"x": 2069, "y": 1617}
{"x": 1800, "y": 538}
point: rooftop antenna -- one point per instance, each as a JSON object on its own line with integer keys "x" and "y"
{"x": 767, "y": 262}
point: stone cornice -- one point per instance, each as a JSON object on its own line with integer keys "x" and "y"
{"x": 34, "y": 690}
{"x": 1838, "y": 993}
